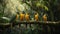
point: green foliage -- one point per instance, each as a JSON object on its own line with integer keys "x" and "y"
{"x": 32, "y": 5}
{"x": 42, "y": 4}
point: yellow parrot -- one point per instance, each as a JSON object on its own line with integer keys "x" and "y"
{"x": 27, "y": 17}
{"x": 45, "y": 17}
{"x": 22, "y": 16}
{"x": 17, "y": 16}
{"x": 36, "y": 17}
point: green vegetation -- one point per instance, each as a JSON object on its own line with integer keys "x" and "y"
{"x": 8, "y": 8}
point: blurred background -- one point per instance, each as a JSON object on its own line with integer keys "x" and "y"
{"x": 45, "y": 8}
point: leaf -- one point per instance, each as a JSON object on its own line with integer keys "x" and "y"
{"x": 38, "y": 4}
{"x": 46, "y": 8}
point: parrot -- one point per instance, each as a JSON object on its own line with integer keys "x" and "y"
{"x": 27, "y": 17}
{"x": 22, "y": 16}
{"x": 36, "y": 17}
{"x": 44, "y": 17}
{"x": 17, "y": 16}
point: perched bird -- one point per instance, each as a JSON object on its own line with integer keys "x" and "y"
{"x": 17, "y": 16}
{"x": 22, "y": 16}
{"x": 27, "y": 17}
{"x": 44, "y": 17}
{"x": 36, "y": 16}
